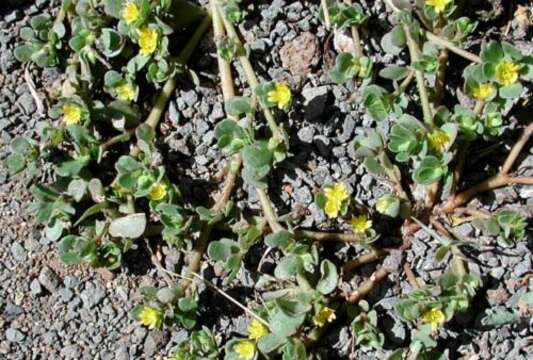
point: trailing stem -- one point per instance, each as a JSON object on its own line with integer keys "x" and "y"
{"x": 414, "y": 52}
{"x": 366, "y": 287}
{"x": 228, "y": 92}
{"x": 252, "y": 78}
{"x": 364, "y": 259}
{"x": 355, "y": 36}
{"x": 502, "y": 178}
{"x": 170, "y": 85}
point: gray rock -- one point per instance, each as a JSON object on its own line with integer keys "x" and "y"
{"x": 315, "y": 101}
{"x": 27, "y": 103}
{"x": 14, "y": 335}
{"x": 71, "y": 352}
{"x": 11, "y": 312}
{"x": 18, "y": 251}
{"x": 306, "y": 134}
{"x": 49, "y": 279}
{"x": 66, "y": 294}
{"x": 35, "y": 288}
{"x": 190, "y": 97}
{"x": 303, "y": 195}
{"x": 92, "y": 296}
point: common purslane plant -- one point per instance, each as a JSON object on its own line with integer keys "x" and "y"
{"x": 111, "y": 188}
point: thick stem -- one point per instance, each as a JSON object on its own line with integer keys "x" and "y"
{"x": 325, "y": 236}
{"x": 228, "y": 92}
{"x": 441, "y": 76}
{"x": 452, "y": 47}
{"x": 499, "y": 180}
{"x": 414, "y": 52}
{"x": 410, "y": 276}
{"x": 405, "y": 83}
{"x": 269, "y": 211}
{"x": 364, "y": 259}
{"x": 367, "y": 286}
{"x": 325, "y": 10}
{"x": 252, "y": 78}
{"x": 517, "y": 148}
{"x": 162, "y": 99}
{"x": 355, "y": 36}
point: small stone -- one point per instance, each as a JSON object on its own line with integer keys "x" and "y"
{"x": 497, "y": 273}
{"x": 190, "y": 97}
{"x": 18, "y": 251}
{"x": 14, "y": 335}
{"x": 92, "y": 296}
{"x": 300, "y": 54}
{"x": 35, "y": 288}
{"x": 306, "y": 134}
{"x": 303, "y": 195}
{"x": 498, "y": 296}
{"x": 65, "y": 294}
{"x": 315, "y": 101}
{"x": 27, "y": 103}
{"x": 49, "y": 279}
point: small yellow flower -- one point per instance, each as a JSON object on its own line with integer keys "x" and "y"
{"x": 131, "y": 13}
{"x": 71, "y": 114}
{"x": 335, "y": 196}
{"x": 323, "y": 316}
{"x": 150, "y": 317}
{"x": 158, "y": 192}
{"x": 245, "y": 349}
{"x": 438, "y": 5}
{"x": 483, "y": 91}
{"x": 438, "y": 140}
{"x": 507, "y": 72}
{"x": 256, "y": 330}
{"x": 125, "y": 91}
{"x": 280, "y": 95}
{"x": 434, "y": 317}
{"x": 148, "y": 38}
{"x": 360, "y": 224}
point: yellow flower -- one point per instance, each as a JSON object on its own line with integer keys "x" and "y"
{"x": 150, "y": 317}
{"x": 434, "y": 317}
{"x": 125, "y": 92}
{"x": 438, "y": 140}
{"x": 323, "y": 316}
{"x": 280, "y": 95}
{"x": 147, "y": 40}
{"x": 131, "y": 13}
{"x": 158, "y": 192}
{"x": 256, "y": 330}
{"x": 482, "y": 91}
{"x": 360, "y": 224}
{"x": 71, "y": 114}
{"x": 507, "y": 72}
{"x": 245, "y": 349}
{"x": 438, "y": 5}
{"x": 335, "y": 196}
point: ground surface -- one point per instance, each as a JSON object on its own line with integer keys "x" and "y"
{"x": 50, "y": 311}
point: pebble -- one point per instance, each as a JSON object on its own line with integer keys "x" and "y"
{"x": 49, "y": 279}
{"x": 14, "y": 335}
{"x": 315, "y": 101}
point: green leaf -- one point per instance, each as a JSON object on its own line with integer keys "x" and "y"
{"x": 511, "y": 91}
{"x": 24, "y": 53}
{"x": 491, "y": 52}
{"x": 15, "y": 163}
{"x": 54, "y": 230}
{"x": 77, "y": 189}
{"x": 111, "y": 42}
{"x": 376, "y": 102}
{"x": 257, "y": 155}
{"x": 394, "y": 72}
{"x": 72, "y": 168}
{"x": 238, "y": 105}
{"x": 346, "y": 68}
{"x": 113, "y": 8}
{"x": 499, "y": 317}
{"x": 280, "y": 239}
{"x": 126, "y": 164}
{"x": 288, "y": 266}
{"x": 130, "y": 226}
{"x": 221, "y": 250}
{"x": 328, "y": 279}
{"x": 394, "y": 41}
{"x": 429, "y": 170}
{"x": 93, "y": 210}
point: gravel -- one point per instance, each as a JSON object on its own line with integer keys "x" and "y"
{"x": 61, "y": 312}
